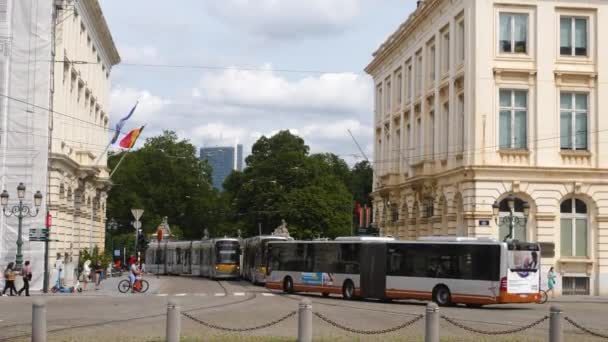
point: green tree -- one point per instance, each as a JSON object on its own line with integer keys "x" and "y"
{"x": 282, "y": 181}
{"x": 362, "y": 176}
{"x": 165, "y": 178}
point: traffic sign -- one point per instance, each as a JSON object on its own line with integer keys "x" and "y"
{"x": 137, "y": 213}
{"x": 137, "y": 224}
{"x": 39, "y": 234}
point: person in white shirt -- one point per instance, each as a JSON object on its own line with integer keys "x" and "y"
{"x": 134, "y": 274}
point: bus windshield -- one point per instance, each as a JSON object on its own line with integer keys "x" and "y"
{"x": 523, "y": 260}
{"x": 227, "y": 252}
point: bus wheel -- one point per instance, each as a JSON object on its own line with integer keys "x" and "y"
{"x": 288, "y": 285}
{"x": 442, "y": 296}
{"x": 348, "y": 290}
{"x": 325, "y": 294}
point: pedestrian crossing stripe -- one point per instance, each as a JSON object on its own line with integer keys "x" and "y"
{"x": 180, "y": 295}
{"x": 162, "y": 295}
{"x": 239, "y": 293}
{"x": 267, "y": 294}
{"x": 220, "y": 294}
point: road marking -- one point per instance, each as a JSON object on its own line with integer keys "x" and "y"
{"x": 200, "y": 294}
{"x": 162, "y": 295}
{"x": 239, "y": 293}
{"x": 220, "y": 294}
{"x": 180, "y": 295}
{"x": 266, "y": 294}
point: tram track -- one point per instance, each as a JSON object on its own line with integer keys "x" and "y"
{"x": 126, "y": 320}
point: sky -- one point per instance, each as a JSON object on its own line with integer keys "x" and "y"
{"x": 249, "y": 68}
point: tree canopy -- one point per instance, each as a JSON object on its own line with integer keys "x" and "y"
{"x": 313, "y": 193}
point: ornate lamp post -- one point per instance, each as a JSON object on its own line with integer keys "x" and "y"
{"x": 111, "y": 226}
{"x": 512, "y": 220}
{"x": 20, "y": 211}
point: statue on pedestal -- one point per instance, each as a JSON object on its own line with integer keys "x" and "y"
{"x": 281, "y": 230}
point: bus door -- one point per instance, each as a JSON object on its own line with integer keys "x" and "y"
{"x": 373, "y": 270}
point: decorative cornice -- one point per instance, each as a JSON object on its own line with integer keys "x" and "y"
{"x": 405, "y": 30}
{"x": 544, "y": 217}
{"x": 100, "y": 29}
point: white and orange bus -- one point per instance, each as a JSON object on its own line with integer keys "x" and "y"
{"x": 447, "y": 270}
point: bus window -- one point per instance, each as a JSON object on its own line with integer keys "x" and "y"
{"x": 349, "y": 258}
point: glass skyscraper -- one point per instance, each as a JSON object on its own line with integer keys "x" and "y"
{"x": 223, "y": 160}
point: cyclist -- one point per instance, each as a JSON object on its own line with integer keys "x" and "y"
{"x": 134, "y": 274}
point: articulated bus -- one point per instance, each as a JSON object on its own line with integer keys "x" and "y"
{"x": 253, "y": 266}
{"x": 213, "y": 258}
{"x": 446, "y": 270}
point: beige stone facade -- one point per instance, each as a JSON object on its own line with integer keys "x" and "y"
{"x": 78, "y": 174}
{"x": 476, "y": 100}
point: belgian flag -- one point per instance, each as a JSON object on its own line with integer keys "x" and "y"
{"x": 131, "y": 138}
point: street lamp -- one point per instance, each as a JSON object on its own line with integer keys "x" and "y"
{"x": 20, "y": 211}
{"x": 111, "y": 226}
{"x": 512, "y": 220}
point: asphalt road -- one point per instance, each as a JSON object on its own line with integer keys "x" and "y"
{"x": 105, "y": 314}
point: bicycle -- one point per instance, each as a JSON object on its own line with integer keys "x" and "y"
{"x": 543, "y": 297}
{"x": 140, "y": 286}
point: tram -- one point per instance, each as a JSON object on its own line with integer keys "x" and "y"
{"x": 212, "y": 258}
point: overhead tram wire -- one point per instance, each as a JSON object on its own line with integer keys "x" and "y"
{"x": 214, "y": 67}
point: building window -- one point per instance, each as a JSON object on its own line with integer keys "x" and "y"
{"x": 406, "y": 148}
{"x": 460, "y": 42}
{"x": 408, "y": 83}
{"x": 573, "y": 121}
{"x": 418, "y": 82}
{"x": 445, "y": 130}
{"x": 513, "y": 33}
{"x": 418, "y": 140}
{"x": 574, "y": 228}
{"x": 445, "y": 52}
{"x": 399, "y": 88}
{"x": 575, "y": 286}
{"x": 387, "y": 102}
{"x": 431, "y": 66}
{"x": 573, "y": 36}
{"x": 461, "y": 122}
{"x": 379, "y": 100}
{"x": 513, "y": 119}
{"x": 431, "y": 155}
{"x": 66, "y": 70}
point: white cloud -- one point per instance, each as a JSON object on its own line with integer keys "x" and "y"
{"x": 148, "y": 109}
{"x": 140, "y": 54}
{"x": 287, "y": 19}
{"x": 343, "y": 92}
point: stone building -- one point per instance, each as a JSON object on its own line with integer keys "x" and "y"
{"x": 78, "y": 174}
{"x": 477, "y": 100}
{"x": 55, "y": 63}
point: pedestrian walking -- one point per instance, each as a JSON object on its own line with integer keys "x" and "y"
{"x": 9, "y": 276}
{"x": 27, "y": 277}
{"x": 86, "y": 273}
{"x": 551, "y": 276}
{"x": 98, "y": 274}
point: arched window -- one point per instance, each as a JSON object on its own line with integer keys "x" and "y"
{"x": 574, "y": 228}
{"x": 519, "y": 222}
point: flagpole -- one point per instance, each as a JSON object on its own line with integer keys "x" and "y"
{"x": 119, "y": 162}
{"x": 102, "y": 153}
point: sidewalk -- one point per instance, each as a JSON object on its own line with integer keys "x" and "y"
{"x": 579, "y": 299}
{"x": 108, "y": 287}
